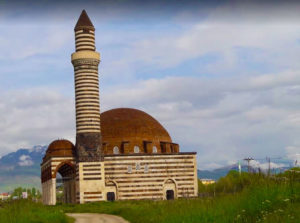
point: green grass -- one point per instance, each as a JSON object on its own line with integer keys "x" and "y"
{"x": 251, "y": 205}
{"x": 25, "y": 211}
{"x": 240, "y": 199}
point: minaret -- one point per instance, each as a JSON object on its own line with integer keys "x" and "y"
{"x": 85, "y": 61}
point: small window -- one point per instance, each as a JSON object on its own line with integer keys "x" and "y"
{"x": 136, "y": 149}
{"x": 154, "y": 149}
{"x": 138, "y": 166}
{"x": 129, "y": 169}
{"x": 172, "y": 149}
{"x": 146, "y": 168}
{"x": 163, "y": 147}
{"x": 116, "y": 150}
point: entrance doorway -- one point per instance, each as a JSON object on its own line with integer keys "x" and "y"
{"x": 110, "y": 196}
{"x": 65, "y": 184}
{"x": 170, "y": 191}
{"x": 170, "y": 195}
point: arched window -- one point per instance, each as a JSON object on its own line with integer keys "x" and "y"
{"x": 138, "y": 166}
{"x": 129, "y": 169}
{"x": 116, "y": 150}
{"x": 146, "y": 168}
{"x": 136, "y": 149}
{"x": 154, "y": 149}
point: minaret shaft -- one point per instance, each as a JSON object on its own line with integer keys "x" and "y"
{"x": 85, "y": 61}
{"x": 87, "y": 91}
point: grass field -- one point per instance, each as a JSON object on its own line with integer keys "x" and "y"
{"x": 25, "y": 211}
{"x": 247, "y": 198}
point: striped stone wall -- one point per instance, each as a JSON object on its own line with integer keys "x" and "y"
{"x": 130, "y": 177}
{"x": 149, "y": 176}
{"x": 89, "y": 182}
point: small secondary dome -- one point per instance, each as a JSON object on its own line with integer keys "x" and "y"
{"x": 60, "y": 147}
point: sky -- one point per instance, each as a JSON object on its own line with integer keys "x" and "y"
{"x": 223, "y": 77}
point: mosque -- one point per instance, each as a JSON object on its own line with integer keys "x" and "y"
{"x": 128, "y": 155}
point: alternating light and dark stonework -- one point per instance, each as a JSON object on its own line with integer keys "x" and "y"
{"x": 85, "y": 61}
{"x": 129, "y": 155}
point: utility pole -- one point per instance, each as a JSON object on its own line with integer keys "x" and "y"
{"x": 248, "y": 160}
{"x": 269, "y": 168}
{"x": 240, "y": 168}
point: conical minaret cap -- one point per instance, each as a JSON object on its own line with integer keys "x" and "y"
{"x": 84, "y": 22}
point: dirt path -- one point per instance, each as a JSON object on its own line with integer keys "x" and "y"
{"x": 96, "y": 218}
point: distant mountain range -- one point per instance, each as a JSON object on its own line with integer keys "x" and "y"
{"x": 22, "y": 168}
{"x": 216, "y": 174}
{"x": 220, "y": 172}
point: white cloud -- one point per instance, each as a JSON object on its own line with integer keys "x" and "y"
{"x": 34, "y": 116}
{"x": 229, "y": 31}
{"x": 293, "y": 153}
{"x": 276, "y": 44}
{"x": 264, "y": 166}
{"x": 211, "y": 165}
{"x": 25, "y": 160}
{"x": 222, "y": 119}
{"x": 37, "y": 39}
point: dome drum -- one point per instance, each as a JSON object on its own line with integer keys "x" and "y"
{"x": 145, "y": 147}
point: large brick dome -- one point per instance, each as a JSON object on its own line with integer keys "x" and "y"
{"x": 126, "y": 128}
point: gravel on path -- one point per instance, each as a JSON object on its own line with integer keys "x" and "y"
{"x": 96, "y": 218}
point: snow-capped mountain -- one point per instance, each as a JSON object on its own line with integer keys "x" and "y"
{"x": 21, "y": 168}
{"x": 23, "y": 158}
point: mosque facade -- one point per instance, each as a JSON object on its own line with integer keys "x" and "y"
{"x": 120, "y": 154}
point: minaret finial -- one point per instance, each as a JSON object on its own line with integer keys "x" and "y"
{"x": 84, "y": 22}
